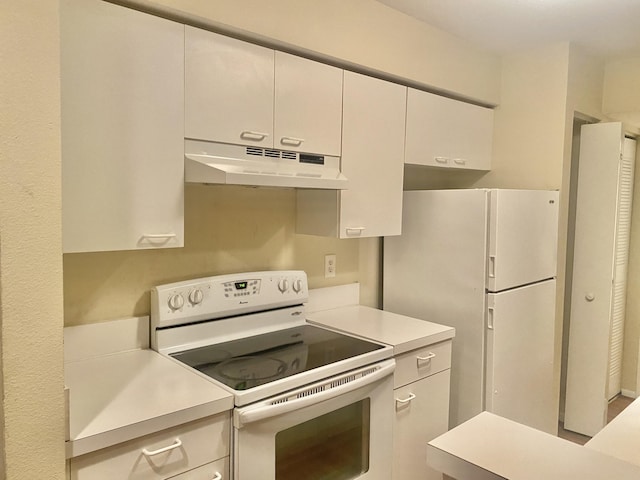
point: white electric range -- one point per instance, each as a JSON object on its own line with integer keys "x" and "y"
{"x": 310, "y": 402}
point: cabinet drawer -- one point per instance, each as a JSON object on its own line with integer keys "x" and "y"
{"x": 218, "y": 470}
{"x": 190, "y": 445}
{"x": 422, "y": 362}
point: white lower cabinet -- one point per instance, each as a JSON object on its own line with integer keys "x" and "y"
{"x": 422, "y": 380}
{"x": 194, "y": 451}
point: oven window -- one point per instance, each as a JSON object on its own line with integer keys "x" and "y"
{"x": 334, "y": 446}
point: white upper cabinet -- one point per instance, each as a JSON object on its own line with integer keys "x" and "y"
{"x": 308, "y": 105}
{"x": 442, "y": 132}
{"x": 241, "y": 93}
{"x": 372, "y": 159}
{"x": 229, "y": 88}
{"x": 122, "y": 123}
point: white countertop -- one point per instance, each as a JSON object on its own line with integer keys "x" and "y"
{"x": 489, "y": 447}
{"x": 401, "y": 332}
{"x": 119, "y": 390}
{"x": 620, "y": 438}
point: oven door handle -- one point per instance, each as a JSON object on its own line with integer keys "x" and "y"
{"x": 261, "y": 412}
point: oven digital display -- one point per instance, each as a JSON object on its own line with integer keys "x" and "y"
{"x": 241, "y": 285}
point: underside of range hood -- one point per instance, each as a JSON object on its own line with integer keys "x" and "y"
{"x": 218, "y": 163}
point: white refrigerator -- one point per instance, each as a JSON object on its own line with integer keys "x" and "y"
{"x": 484, "y": 261}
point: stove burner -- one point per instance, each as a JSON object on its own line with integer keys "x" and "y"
{"x": 252, "y": 368}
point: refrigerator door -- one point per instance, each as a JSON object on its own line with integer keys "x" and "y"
{"x": 520, "y": 347}
{"x": 523, "y": 226}
{"x": 435, "y": 271}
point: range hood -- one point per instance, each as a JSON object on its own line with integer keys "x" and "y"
{"x": 209, "y": 162}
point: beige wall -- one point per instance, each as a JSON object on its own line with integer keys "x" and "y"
{"x": 621, "y": 99}
{"x": 227, "y": 230}
{"x": 31, "y": 264}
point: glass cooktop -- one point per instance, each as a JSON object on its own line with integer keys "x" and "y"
{"x": 249, "y": 362}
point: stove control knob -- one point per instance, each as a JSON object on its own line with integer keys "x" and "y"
{"x": 176, "y": 301}
{"x": 297, "y": 286}
{"x": 196, "y": 296}
{"x": 283, "y": 285}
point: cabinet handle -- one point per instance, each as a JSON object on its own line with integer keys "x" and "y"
{"x": 158, "y": 237}
{"x": 428, "y": 358}
{"x": 217, "y": 476}
{"x": 490, "y": 318}
{"x": 443, "y": 160}
{"x": 492, "y": 266}
{"x": 174, "y": 445}
{"x": 354, "y": 231}
{"x": 257, "y": 136}
{"x": 295, "y": 142}
{"x": 406, "y": 400}
{"x": 459, "y": 161}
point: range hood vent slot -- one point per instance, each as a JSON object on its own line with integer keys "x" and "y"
{"x": 272, "y": 153}
{"x": 255, "y": 151}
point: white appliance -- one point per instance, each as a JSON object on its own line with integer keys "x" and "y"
{"x": 211, "y": 162}
{"x": 484, "y": 261}
{"x": 310, "y": 402}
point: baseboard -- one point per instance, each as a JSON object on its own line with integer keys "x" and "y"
{"x": 628, "y": 393}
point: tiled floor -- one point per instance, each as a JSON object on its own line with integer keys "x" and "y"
{"x": 615, "y": 407}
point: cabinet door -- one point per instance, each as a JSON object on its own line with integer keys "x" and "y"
{"x": 443, "y": 132}
{"x": 122, "y": 124}
{"x": 229, "y": 88}
{"x": 372, "y": 151}
{"x": 422, "y": 413}
{"x": 308, "y": 105}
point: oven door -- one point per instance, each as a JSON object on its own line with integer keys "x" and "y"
{"x": 337, "y": 429}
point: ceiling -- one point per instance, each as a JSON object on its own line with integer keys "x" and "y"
{"x": 605, "y": 27}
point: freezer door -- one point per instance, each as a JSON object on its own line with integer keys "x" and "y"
{"x": 523, "y": 237}
{"x": 520, "y": 346}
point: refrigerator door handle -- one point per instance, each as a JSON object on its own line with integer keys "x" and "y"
{"x": 490, "y": 318}
{"x": 492, "y": 266}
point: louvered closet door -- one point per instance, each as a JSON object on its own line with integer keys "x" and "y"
{"x": 623, "y": 229}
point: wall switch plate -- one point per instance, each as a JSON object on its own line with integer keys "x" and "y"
{"x": 329, "y": 266}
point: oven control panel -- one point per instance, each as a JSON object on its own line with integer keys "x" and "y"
{"x": 226, "y": 295}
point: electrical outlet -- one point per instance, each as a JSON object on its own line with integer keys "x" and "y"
{"x": 329, "y": 266}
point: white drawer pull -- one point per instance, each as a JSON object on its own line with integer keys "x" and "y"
{"x": 257, "y": 136}
{"x": 406, "y": 400}
{"x": 295, "y": 142}
{"x": 158, "y": 237}
{"x": 174, "y": 445}
{"x": 217, "y": 476}
{"x": 354, "y": 231}
{"x": 459, "y": 161}
{"x": 427, "y": 358}
{"x": 443, "y": 160}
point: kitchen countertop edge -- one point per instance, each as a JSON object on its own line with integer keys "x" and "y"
{"x": 109, "y": 426}
{"x": 358, "y": 320}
